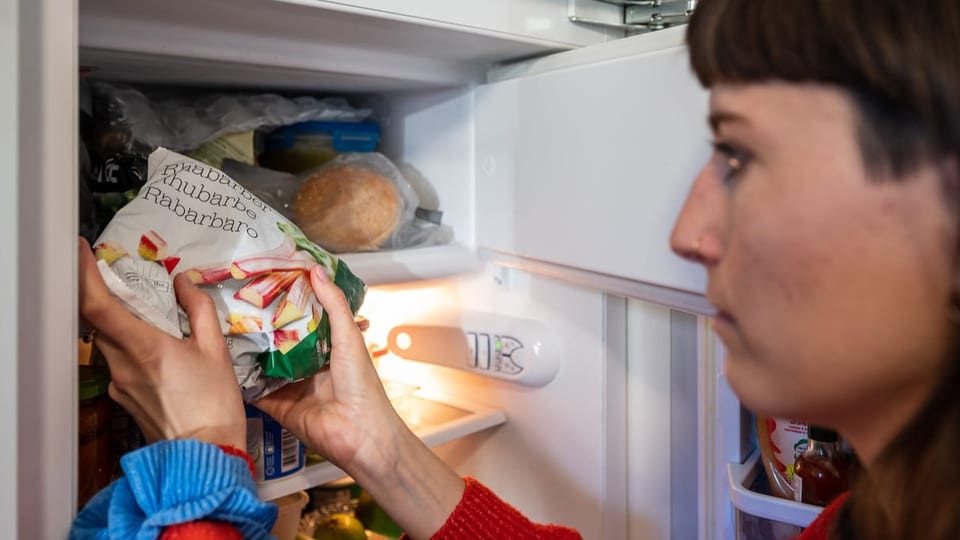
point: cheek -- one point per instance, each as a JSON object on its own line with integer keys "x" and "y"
{"x": 771, "y": 278}
{"x": 835, "y": 307}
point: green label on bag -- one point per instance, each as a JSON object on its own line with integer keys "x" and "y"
{"x": 304, "y": 359}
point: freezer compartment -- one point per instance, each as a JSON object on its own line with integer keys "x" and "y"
{"x": 759, "y": 515}
{"x": 436, "y": 419}
{"x": 427, "y": 133}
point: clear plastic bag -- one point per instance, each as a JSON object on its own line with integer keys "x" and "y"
{"x": 184, "y": 122}
{"x": 356, "y": 202}
{"x": 276, "y": 188}
{"x": 362, "y": 202}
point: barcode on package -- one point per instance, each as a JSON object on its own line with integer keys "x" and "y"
{"x": 289, "y": 451}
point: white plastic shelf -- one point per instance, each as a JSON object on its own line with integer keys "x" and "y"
{"x": 407, "y": 265}
{"x": 436, "y": 422}
{"x": 765, "y": 506}
{"x": 292, "y": 43}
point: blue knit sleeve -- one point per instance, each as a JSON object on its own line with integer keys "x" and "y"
{"x": 174, "y": 482}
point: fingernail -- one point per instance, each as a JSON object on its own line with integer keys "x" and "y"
{"x": 320, "y": 273}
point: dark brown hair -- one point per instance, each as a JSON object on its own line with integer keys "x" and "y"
{"x": 900, "y": 63}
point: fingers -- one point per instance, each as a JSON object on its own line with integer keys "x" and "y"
{"x": 204, "y": 322}
{"x": 102, "y": 311}
{"x": 335, "y": 304}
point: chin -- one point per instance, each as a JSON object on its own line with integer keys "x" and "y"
{"x": 760, "y": 393}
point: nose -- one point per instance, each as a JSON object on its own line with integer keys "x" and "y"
{"x": 698, "y": 233}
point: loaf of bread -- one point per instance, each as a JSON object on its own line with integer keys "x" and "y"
{"x": 348, "y": 208}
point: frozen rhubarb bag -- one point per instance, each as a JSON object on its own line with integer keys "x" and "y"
{"x": 254, "y": 263}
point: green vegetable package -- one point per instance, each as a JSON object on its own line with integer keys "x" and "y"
{"x": 254, "y": 263}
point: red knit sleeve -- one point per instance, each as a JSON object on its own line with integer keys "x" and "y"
{"x": 209, "y": 530}
{"x": 481, "y": 515}
{"x": 201, "y": 530}
{"x": 820, "y": 528}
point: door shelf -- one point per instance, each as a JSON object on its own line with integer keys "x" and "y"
{"x": 745, "y": 500}
{"x": 436, "y": 420}
{"x": 407, "y": 265}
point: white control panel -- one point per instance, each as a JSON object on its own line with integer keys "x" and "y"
{"x": 518, "y": 350}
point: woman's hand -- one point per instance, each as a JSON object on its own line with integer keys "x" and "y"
{"x": 344, "y": 414}
{"x": 174, "y": 389}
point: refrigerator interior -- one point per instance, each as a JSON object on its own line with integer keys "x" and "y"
{"x": 610, "y": 445}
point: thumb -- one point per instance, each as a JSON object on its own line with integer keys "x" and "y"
{"x": 342, "y": 325}
{"x": 204, "y": 323}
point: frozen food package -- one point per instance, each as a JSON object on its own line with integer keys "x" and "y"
{"x": 253, "y": 262}
{"x": 356, "y": 202}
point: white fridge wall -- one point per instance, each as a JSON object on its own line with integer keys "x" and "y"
{"x": 45, "y": 255}
{"x": 433, "y": 131}
{"x": 648, "y": 424}
{"x": 611, "y": 445}
{"x": 585, "y": 159}
{"x": 9, "y": 52}
{"x": 549, "y": 459}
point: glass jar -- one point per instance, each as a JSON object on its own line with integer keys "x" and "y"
{"x": 820, "y": 475}
{"x": 94, "y": 453}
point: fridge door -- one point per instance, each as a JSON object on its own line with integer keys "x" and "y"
{"x": 583, "y": 158}
{"x": 8, "y": 273}
{"x": 38, "y": 149}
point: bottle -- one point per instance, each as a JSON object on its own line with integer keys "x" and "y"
{"x": 94, "y": 452}
{"x": 820, "y": 473}
{"x": 781, "y": 442}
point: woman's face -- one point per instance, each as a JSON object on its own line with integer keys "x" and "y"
{"x": 832, "y": 287}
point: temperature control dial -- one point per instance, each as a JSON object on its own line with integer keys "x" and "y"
{"x": 518, "y": 350}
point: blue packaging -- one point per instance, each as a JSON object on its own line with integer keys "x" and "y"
{"x": 344, "y": 136}
{"x": 275, "y": 451}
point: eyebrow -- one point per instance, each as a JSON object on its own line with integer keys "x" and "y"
{"x": 720, "y": 117}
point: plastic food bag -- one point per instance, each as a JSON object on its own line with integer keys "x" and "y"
{"x": 190, "y": 217}
{"x": 427, "y": 228}
{"x": 356, "y": 202}
{"x": 130, "y": 121}
{"x": 276, "y": 188}
{"x": 362, "y": 202}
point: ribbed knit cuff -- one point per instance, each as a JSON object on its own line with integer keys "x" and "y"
{"x": 174, "y": 482}
{"x": 481, "y": 515}
{"x": 242, "y": 454}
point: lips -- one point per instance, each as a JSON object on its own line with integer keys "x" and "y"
{"x": 724, "y": 316}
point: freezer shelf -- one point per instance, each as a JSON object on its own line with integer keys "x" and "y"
{"x": 747, "y": 501}
{"x": 435, "y": 419}
{"x": 406, "y": 265}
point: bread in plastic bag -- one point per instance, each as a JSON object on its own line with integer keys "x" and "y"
{"x": 190, "y": 217}
{"x": 355, "y": 202}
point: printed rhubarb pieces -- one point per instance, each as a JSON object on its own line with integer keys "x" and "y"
{"x": 283, "y": 272}
{"x": 279, "y": 275}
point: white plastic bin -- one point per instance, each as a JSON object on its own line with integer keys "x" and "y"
{"x": 759, "y": 515}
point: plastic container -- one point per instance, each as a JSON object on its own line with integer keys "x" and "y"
{"x": 760, "y": 515}
{"x": 288, "y": 515}
{"x": 308, "y": 145}
{"x": 94, "y": 436}
{"x": 275, "y": 451}
{"x": 781, "y": 442}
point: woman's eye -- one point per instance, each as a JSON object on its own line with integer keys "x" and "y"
{"x": 730, "y": 161}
